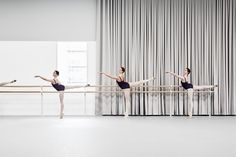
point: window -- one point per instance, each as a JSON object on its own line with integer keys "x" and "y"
{"x": 72, "y": 62}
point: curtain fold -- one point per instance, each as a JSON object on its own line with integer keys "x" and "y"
{"x": 150, "y": 37}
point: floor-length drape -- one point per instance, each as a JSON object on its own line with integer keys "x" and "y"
{"x": 150, "y": 37}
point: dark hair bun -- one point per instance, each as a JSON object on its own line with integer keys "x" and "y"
{"x": 57, "y": 72}
{"x": 123, "y": 69}
{"x": 189, "y": 71}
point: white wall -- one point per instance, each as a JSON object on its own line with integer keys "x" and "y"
{"x": 21, "y": 61}
{"x": 23, "y": 24}
{"x": 47, "y": 20}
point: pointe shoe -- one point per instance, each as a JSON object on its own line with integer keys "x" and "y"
{"x": 190, "y": 115}
{"x": 87, "y": 85}
{"x": 61, "y": 115}
{"x": 126, "y": 115}
{"x": 13, "y": 81}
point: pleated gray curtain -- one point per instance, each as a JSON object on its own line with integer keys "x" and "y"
{"x": 150, "y": 37}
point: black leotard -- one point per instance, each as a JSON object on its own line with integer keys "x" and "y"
{"x": 186, "y": 85}
{"x": 122, "y": 84}
{"x": 57, "y": 86}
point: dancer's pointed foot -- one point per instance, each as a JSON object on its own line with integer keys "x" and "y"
{"x": 126, "y": 115}
{"x": 190, "y": 115}
{"x": 61, "y": 115}
{"x": 87, "y": 85}
{"x": 13, "y": 81}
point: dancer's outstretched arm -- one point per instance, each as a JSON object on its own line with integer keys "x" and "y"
{"x": 45, "y": 79}
{"x": 5, "y": 83}
{"x": 176, "y": 75}
{"x": 110, "y": 76}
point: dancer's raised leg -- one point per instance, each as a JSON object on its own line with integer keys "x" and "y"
{"x": 74, "y": 87}
{"x": 204, "y": 87}
{"x": 138, "y": 83}
{"x": 6, "y": 83}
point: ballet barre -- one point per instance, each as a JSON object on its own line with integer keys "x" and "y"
{"x": 88, "y": 86}
{"x": 93, "y": 90}
{"x": 47, "y": 92}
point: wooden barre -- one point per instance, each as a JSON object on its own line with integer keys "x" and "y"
{"x": 101, "y": 86}
{"x": 105, "y": 92}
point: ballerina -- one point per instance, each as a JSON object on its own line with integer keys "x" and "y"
{"x": 60, "y": 88}
{"x": 125, "y": 86}
{"x": 190, "y": 87}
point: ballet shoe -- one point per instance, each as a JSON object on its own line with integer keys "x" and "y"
{"x": 190, "y": 115}
{"x": 87, "y": 85}
{"x": 61, "y": 115}
{"x": 13, "y": 81}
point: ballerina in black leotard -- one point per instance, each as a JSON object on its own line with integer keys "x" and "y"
{"x": 6, "y": 83}
{"x": 190, "y": 87}
{"x": 125, "y": 86}
{"x": 60, "y": 88}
